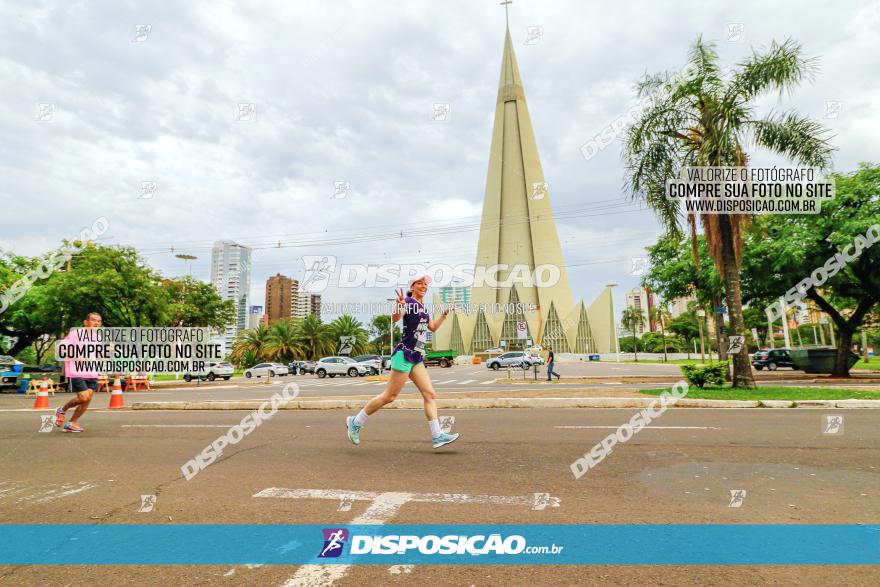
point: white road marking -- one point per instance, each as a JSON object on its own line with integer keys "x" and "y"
{"x": 466, "y": 381}
{"x": 445, "y": 382}
{"x": 384, "y": 506}
{"x": 645, "y": 428}
{"x": 401, "y": 569}
{"x": 365, "y": 383}
{"x": 46, "y": 493}
{"x": 488, "y": 382}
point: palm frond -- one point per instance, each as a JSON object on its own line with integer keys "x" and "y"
{"x": 798, "y": 137}
{"x": 781, "y": 67}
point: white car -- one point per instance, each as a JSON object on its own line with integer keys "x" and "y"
{"x": 535, "y": 358}
{"x": 494, "y": 351}
{"x": 267, "y": 369}
{"x": 212, "y": 372}
{"x": 334, "y": 366}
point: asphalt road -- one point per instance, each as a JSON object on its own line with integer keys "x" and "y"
{"x": 682, "y": 471}
{"x": 459, "y": 378}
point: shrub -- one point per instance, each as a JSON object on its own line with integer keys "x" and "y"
{"x": 699, "y": 375}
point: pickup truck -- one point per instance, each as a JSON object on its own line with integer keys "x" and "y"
{"x": 442, "y": 358}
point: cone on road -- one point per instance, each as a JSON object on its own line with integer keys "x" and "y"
{"x": 42, "y": 400}
{"x": 116, "y": 398}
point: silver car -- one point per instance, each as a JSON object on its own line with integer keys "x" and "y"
{"x": 334, "y": 366}
{"x": 511, "y": 359}
{"x": 267, "y": 369}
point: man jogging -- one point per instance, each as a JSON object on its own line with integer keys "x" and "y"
{"x": 551, "y": 360}
{"x": 407, "y": 362}
{"x": 82, "y": 383}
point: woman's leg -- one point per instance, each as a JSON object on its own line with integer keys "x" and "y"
{"x": 421, "y": 379}
{"x": 419, "y": 376}
{"x": 392, "y": 390}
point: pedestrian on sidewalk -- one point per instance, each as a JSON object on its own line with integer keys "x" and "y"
{"x": 551, "y": 360}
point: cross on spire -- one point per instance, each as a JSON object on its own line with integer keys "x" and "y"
{"x": 506, "y": 16}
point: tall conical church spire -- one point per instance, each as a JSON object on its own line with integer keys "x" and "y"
{"x": 517, "y": 225}
{"x": 518, "y": 230}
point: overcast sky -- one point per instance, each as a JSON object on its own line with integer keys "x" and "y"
{"x": 344, "y": 91}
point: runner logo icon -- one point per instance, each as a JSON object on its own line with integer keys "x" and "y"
{"x": 334, "y": 540}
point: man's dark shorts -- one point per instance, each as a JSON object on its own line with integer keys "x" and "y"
{"x": 78, "y": 384}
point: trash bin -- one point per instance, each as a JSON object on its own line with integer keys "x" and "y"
{"x": 818, "y": 360}
{"x": 23, "y": 384}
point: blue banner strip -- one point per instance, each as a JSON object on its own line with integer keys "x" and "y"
{"x": 472, "y": 544}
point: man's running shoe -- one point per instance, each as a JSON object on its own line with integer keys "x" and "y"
{"x": 72, "y": 428}
{"x": 354, "y": 431}
{"x": 59, "y": 418}
{"x": 444, "y": 439}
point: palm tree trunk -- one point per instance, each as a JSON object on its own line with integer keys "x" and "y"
{"x": 742, "y": 370}
{"x": 716, "y": 301}
{"x": 663, "y": 334}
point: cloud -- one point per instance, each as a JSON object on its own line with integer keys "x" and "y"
{"x": 345, "y": 92}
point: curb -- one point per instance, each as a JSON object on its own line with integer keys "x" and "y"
{"x": 504, "y": 402}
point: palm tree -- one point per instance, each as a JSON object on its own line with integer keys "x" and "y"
{"x": 347, "y": 325}
{"x": 660, "y": 314}
{"x": 250, "y": 346}
{"x": 284, "y": 342}
{"x": 632, "y": 318}
{"x": 314, "y": 337}
{"x": 707, "y": 119}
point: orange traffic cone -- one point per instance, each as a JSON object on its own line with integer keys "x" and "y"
{"x": 42, "y": 401}
{"x": 116, "y": 399}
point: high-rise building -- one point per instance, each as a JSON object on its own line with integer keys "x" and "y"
{"x": 518, "y": 229}
{"x": 455, "y": 295}
{"x": 231, "y": 277}
{"x": 643, "y": 300}
{"x": 306, "y": 304}
{"x": 282, "y": 297}
{"x": 255, "y": 317}
{"x": 315, "y": 305}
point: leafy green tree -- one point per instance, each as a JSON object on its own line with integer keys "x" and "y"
{"x": 632, "y": 319}
{"x": 685, "y": 325}
{"x": 315, "y": 338}
{"x": 707, "y": 118}
{"x": 194, "y": 303}
{"x": 250, "y": 347}
{"x": 380, "y": 331}
{"x": 346, "y": 325}
{"x": 110, "y": 280}
{"x": 284, "y": 342}
{"x": 660, "y": 315}
{"x": 787, "y": 250}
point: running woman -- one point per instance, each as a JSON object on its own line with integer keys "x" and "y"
{"x": 82, "y": 383}
{"x": 407, "y": 362}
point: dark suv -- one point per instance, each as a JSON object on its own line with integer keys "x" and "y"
{"x": 772, "y": 359}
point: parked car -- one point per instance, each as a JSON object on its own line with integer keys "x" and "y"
{"x": 267, "y": 369}
{"x": 307, "y": 367}
{"x": 773, "y": 359}
{"x": 535, "y": 358}
{"x": 10, "y": 370}
{"x": 334, "y": 366}
{"x": 494, "y": 351}
{"x": 511, "y": 359}
{"x": 215, "y": 370}
{"x": 374, "y": 362}
{"x": 386, "y": 362}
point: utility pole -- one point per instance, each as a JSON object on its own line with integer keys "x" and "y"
{"x": 700, "y": 315}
